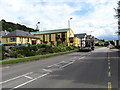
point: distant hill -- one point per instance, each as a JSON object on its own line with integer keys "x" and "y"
{"x": 10, "y": 26}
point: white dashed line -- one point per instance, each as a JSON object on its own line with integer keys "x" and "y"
{"x": 47, "y": 70}
{"x": 28, "y": 77}
{"x": 56, "y": 64}
{"x": 66, "y": 65}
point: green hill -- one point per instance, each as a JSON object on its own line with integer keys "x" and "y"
{"x": 10, "y": 26}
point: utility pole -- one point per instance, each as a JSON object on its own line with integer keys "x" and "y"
{"x": 117, "y": 10}
{"x": 1, "y": 25}
{"x": 69, "y": 23}
{"x": 37, "y": 28}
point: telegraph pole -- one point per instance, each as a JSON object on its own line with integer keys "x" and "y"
{"x": 118, "y": 17}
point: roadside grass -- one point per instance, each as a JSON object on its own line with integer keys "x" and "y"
{"x": 34, "y": 58}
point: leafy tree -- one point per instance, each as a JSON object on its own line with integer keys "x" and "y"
{"x": 106, "y": 43}
{"x": 9, "y": 29}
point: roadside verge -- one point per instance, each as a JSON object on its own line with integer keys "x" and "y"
{"x": 34, "y": 58}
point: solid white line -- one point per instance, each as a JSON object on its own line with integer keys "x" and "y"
{"x": 28, "y": 77}
{"x": 15, "y": 78}
{"x": 66, "y": 65}
{"x": 29, "y": 81}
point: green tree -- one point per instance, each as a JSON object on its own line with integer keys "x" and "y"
{"x": 9, "y": 29}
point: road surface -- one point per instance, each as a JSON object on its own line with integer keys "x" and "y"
{"x": 86, "y": 70}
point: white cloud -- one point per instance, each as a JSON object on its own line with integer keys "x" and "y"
{"x": 55, "y": 14}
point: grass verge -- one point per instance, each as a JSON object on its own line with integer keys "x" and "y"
{"x": 33, "y": 58}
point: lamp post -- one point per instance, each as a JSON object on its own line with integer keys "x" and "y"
{"x": 69, "y": 23}
{"x": 37, "y": 28}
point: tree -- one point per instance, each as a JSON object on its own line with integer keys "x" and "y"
{"x": 9, "y": 29}
{"x": 106, "y": 43}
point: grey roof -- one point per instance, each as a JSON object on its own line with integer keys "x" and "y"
{"x": 51, "y": 31}
{"x": 89, "y": 36}
{"x": 3, "y": 33}
{"x": 81, "y": 35}
{"x": 20, "y": 33}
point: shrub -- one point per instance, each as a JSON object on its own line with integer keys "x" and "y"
{"x": 63, "y": 45}
{"x": 14, "y": 54}
{"x": 34, "y": 47}
{"x": 20, "y": 56}
{"x": 24, "y": 51}
{"x": 70, "y": 48}
{"x": 32, "y": 53}
{"x": 43, "y": 46}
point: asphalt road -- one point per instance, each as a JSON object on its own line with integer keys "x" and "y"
{"x": 86, "y": 70}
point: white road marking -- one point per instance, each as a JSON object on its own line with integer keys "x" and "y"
{"x": 28, "y": 77}
{"x": 5, "y": 67}
{"x": 74, "y": 57}
{"x": 66, "y": 65}
{"x": 47, "y": 70}
{"x": 56, "y": 64}
{"x": 15, "y": 78}
{"x": 29, "y": 81}
{"x": 82, "y": 57}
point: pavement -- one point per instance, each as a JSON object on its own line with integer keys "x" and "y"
{"x": 96, "y": 70}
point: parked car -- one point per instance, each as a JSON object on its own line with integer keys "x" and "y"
{"x": 92, "y": 48}
{"x": 19, "y": 45}
{"x": 1, "y": 44}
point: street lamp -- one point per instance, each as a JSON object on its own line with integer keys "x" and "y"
{"x": 37, "y": 28}
{"x": 69, "y": 23}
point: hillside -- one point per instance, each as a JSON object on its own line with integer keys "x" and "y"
{"x": 10, "y": 26}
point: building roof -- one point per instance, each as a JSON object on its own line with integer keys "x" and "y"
{"x": 81, "y": 35}
{"x": 89, "y": 36}
{"x": 20, "y": 33}
{"x": 3, "y": 33}
{"x": 51, "y": 31}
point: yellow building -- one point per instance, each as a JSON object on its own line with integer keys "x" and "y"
{"x": 75, "y": 41}
{"x": 19, "y": 37}
{"x": 57, "y": 37}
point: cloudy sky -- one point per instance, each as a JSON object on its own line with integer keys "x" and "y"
{"x": 94, "y": 17}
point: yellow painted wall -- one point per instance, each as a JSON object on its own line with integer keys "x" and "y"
{"x": 7, "y": 41}
{"x": 19, "y": 40}
{"x": 76, "y": 41}
{"x": 68, "y": 34}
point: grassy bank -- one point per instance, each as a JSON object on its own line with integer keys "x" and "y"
{"x": 33, "y": 58}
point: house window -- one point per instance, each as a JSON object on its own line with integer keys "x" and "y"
{"x": 12, "y": 39}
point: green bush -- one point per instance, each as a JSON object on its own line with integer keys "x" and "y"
{"x": 43, "y": 46}
{"x": 32, "y": 53}
{"x": 63, "y": 45}
{"x": 20, "y": 56}
{"x": 34, "y": 47}
{"x": 70, "y": 48}
{"x": 14, "y": 54}
{"x": 24, "y": 51}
